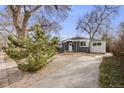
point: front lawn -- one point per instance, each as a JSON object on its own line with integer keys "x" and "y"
{"x": 111, "y": 74}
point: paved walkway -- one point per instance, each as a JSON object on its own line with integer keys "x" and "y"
{"x": 3, "y": 72}
{"x": 81, "y": 73}
{"x": 9, "y": 73}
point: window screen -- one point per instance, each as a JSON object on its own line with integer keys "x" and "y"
{"x": 83, "y": 43}
{"x": 60, "y": 45}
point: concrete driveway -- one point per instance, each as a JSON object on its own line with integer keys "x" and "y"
{"x": 80, "y": 72}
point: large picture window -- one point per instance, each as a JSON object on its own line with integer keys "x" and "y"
{"x": 82, "y": 43}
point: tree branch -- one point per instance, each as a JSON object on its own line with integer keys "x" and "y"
{"x": 35, "y": 8}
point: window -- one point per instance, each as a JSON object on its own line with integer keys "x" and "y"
{"x": 96, "y": 44}
{"x": 82, "y": 43}
{"x": 60, "y": 45}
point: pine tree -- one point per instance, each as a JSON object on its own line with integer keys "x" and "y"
{"x": 33, "y": 52}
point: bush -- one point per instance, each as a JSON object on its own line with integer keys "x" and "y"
{"x": 118, "y": 50}
{"x": 33, "y": 52}
{"x": 32, "y": 65}
{"x": 111, "y": 74}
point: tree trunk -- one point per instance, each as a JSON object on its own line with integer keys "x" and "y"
{"x": 90, "y": 43}
{"x": 21, "y": 33}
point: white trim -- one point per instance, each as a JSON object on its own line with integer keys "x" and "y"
{"x": 87, "y": 40}
{"x": 76, "y": 40}
{"x": 70, "y": 47}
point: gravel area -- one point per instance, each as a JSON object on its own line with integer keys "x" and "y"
{"x": 11, "y": 76}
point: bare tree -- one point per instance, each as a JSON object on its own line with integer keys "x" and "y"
{"x": 47, "y": 25}
{"x": 21, "y": 15}
{"x": 96, "y": 20}
{"x": 15, "y": 13}
{"x": 118, "y": 49}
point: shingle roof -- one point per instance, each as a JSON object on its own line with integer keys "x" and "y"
{"x": 76, "y": 38}
{"x": 79, "y": 38}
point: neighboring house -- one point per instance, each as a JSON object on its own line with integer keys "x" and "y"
{"x": 80, "y": 44}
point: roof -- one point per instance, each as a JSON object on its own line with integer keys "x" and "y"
{"x": 97, "y": 40}
{"x": 76, "y": 38}
{"x": 79, "y": 38}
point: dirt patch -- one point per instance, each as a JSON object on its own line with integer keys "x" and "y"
{"x": 17, "y": 78}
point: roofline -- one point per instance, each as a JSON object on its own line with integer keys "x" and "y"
{"x": 82, "y": 40}
{"x": 75, "y": 40}
{"x": 98, "y": 40}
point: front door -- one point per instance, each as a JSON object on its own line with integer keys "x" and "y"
{"x": 70, "y": 47}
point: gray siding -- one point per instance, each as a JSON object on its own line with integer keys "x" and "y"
{"x": 66, "y": 46}
{"x": 61, "y": 50}
{"x": 75, "y": 47}
{"x": 82, "y": 49}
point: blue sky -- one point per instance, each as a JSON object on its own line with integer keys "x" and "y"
{"x": 69, "y": 24}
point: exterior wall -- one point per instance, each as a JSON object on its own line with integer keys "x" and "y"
{"x": 61, "y": 49}
{"x": 66, "y": 46}
{"x": 75, "y": 47}
{"x": 98, "y": 49}
{"x": 82, "y": 48}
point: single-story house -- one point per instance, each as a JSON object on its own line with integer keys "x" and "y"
{"x": 80, "y": 44}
